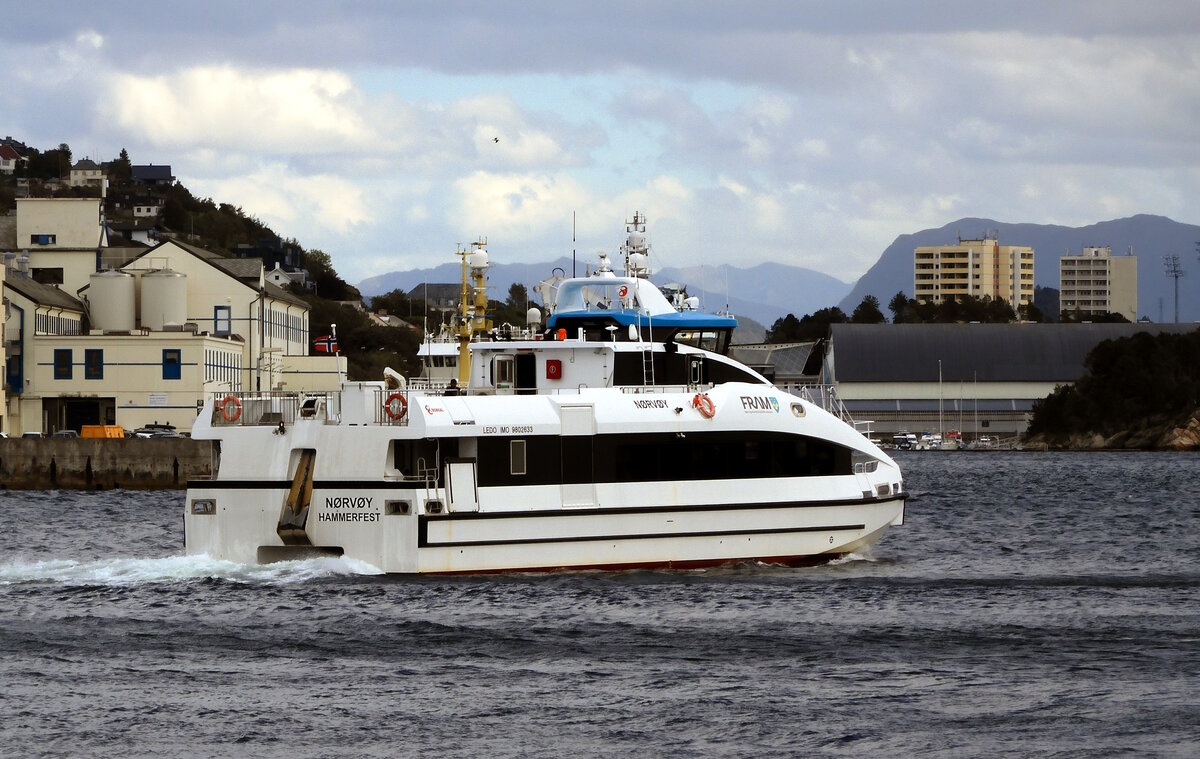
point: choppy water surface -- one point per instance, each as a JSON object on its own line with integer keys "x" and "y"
{"x": 1034, "y": 604}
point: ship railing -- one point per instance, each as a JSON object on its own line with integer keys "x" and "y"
{"x": 391, "y": 407}
{"x": 656, "y": 389}
{"x": 273, "y": 407}
{"x": 823, "y": 395}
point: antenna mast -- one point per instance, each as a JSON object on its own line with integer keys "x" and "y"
{"x": 1175, "y": 271}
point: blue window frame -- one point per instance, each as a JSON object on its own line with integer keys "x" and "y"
{"x": 222, "y": 320}
{"x": 93, "y": 364}
{"x": 171, "y": 363}
{"x": 62, "y": 363}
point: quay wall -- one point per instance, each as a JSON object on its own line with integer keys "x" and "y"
{"x": 99, "y": 464}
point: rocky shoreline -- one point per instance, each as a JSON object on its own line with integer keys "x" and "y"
{"x": 1173, "y": 435}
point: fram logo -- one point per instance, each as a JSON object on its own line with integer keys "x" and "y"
{"x": 759, "y": 403}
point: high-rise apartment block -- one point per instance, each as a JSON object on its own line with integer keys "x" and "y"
{"x": 980, "y": 268}
{"x": 1097, "y": 283}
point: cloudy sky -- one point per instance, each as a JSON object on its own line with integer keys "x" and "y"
{"x": 810, "y": 133}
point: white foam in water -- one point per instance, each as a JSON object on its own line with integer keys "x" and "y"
{"x": 851, "y": 557}
{"x": 127, "y": 571}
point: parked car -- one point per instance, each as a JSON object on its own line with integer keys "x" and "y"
{"x": 66, "y": 433}
{"x": 32, "y": 434}
{"x": 156, "y": 430}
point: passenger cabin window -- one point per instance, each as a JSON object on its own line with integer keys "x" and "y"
{"x": 516, "y": 455}
{"x": 716, "y": 341}
{"x": 656, "y": 457}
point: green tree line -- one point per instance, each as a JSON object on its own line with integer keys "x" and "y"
{"x": 1128, "y": 383}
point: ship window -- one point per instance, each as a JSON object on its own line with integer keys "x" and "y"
{"x": 504, "y": 373}
{"x": 516, "y": 451}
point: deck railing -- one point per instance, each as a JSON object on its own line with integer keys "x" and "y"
{"x": 272, "y": 408}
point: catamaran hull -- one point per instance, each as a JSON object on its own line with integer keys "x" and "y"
{"x": 381, "y": 527}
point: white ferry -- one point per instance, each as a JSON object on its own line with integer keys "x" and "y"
{"x": 623, "y": 438}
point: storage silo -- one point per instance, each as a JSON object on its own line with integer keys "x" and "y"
{"x": 164, "y": 299}
{"x": 112, "y": 301}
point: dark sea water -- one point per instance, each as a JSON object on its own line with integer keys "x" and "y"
{"x": 1035, "y": 604}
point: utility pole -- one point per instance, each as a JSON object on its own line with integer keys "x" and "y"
{"x": 1175, "y": 271}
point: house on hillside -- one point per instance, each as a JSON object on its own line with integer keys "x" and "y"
{"x": 87, "y": 173}
{"x": 152, "y": 175}
{"x": 281, "y": 278}
{"x": 11, "y": 158}
{"x": 133, "y": 232}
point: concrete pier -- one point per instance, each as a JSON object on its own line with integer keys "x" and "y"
{"x": 98, "y": 464}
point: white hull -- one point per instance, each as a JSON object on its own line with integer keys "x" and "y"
{"x": 363, "y": 507}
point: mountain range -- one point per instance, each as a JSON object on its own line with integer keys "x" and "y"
{"x": 768, "y": 291}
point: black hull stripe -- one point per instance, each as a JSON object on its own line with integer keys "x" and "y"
{"x": 638, "y": 536}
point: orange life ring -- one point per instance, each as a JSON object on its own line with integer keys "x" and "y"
{"x": 231, "y": 408}
{"x": 393, "y": 401}
{"x": 705, "y": 405}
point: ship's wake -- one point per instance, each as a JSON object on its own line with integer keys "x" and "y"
{"x": 121, "y": 572}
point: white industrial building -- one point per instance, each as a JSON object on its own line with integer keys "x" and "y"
{"x": 145, "y": 341}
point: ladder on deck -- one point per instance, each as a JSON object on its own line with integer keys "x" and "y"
{"x": 647, "y": 355}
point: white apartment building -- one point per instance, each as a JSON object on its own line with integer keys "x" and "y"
{"x": 1097, "y": 283}
{"x": 981, "y": 268}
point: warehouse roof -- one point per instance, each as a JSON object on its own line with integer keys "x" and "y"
{"x": 967, "y": 352}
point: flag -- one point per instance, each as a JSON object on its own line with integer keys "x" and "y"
{"x": 325, "y": 344}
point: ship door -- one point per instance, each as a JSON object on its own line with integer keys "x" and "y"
{"x": 526, "y": 373}
{"x": 578, "y": 478}
{"x": 462, "y": 494}
{"x": 504, "y": 375}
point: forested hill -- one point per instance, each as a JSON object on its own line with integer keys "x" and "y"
{"x": 1141, "y": 391}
